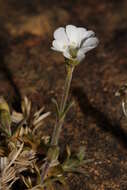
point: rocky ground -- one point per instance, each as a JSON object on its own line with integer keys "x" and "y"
{"x": 29, "y": 67}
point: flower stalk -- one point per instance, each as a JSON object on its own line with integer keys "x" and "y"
{"x": 62, "y": 114}
{"x": 53, "y": 151}
{"x": 73, "y": 42}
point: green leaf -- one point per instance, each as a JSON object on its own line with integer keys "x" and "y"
{"x": 68, "y": 151}
{"x": 70, "y": 164}
{"x": 57, "y": 106}
{"x": 5, "y": 121}
{"x": 81, "y": 154}
{"x": 53, "y": 154}
{"x": 67, "y": 108}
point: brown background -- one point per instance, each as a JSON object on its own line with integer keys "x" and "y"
{"x": 29, "y": 67}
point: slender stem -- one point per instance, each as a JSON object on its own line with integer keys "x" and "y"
{"x": 60, "y": 120}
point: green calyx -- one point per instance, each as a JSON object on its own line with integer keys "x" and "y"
{"x": 73, "y": 61}
{"x": 73, "y": 52}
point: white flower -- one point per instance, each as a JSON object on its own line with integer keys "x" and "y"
{"x": 74, "y": 42}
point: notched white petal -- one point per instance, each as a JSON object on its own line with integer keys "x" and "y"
{"x": 55, "y": 45}
{"x": 70, "y": 28}
{"x": 81, "y": 33}
{"x": 61, "y": 35}
{"x": 72, "y": 34}
{"x": 91, "y": 42}
{"x": 80, "y": 55}
{"x": 58, "y": 32}
{"x": 58, "y": 45}
{"x": 89, "y": 34}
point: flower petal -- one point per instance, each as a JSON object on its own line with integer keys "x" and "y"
{"x": 89, "y": 34}
{"x": 80, "y": 55}
{"x": 84, "y": 34}
{"x": 89, "y": 44}
{"x": 58, "y": 45}
{"x": 81, "y": 33}
{"x": 72, "y": 34}
{"x": 61, "y": 35}
{"x": 67, "y": 54}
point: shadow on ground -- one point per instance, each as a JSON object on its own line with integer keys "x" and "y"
{"x": 102, "y": 121}
{"x": 6, "y": 73}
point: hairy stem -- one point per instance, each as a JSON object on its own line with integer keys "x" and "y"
{"x": 60, "y": 119}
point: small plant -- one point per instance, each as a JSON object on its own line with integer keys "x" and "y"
{"x": 27, "y": 157}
